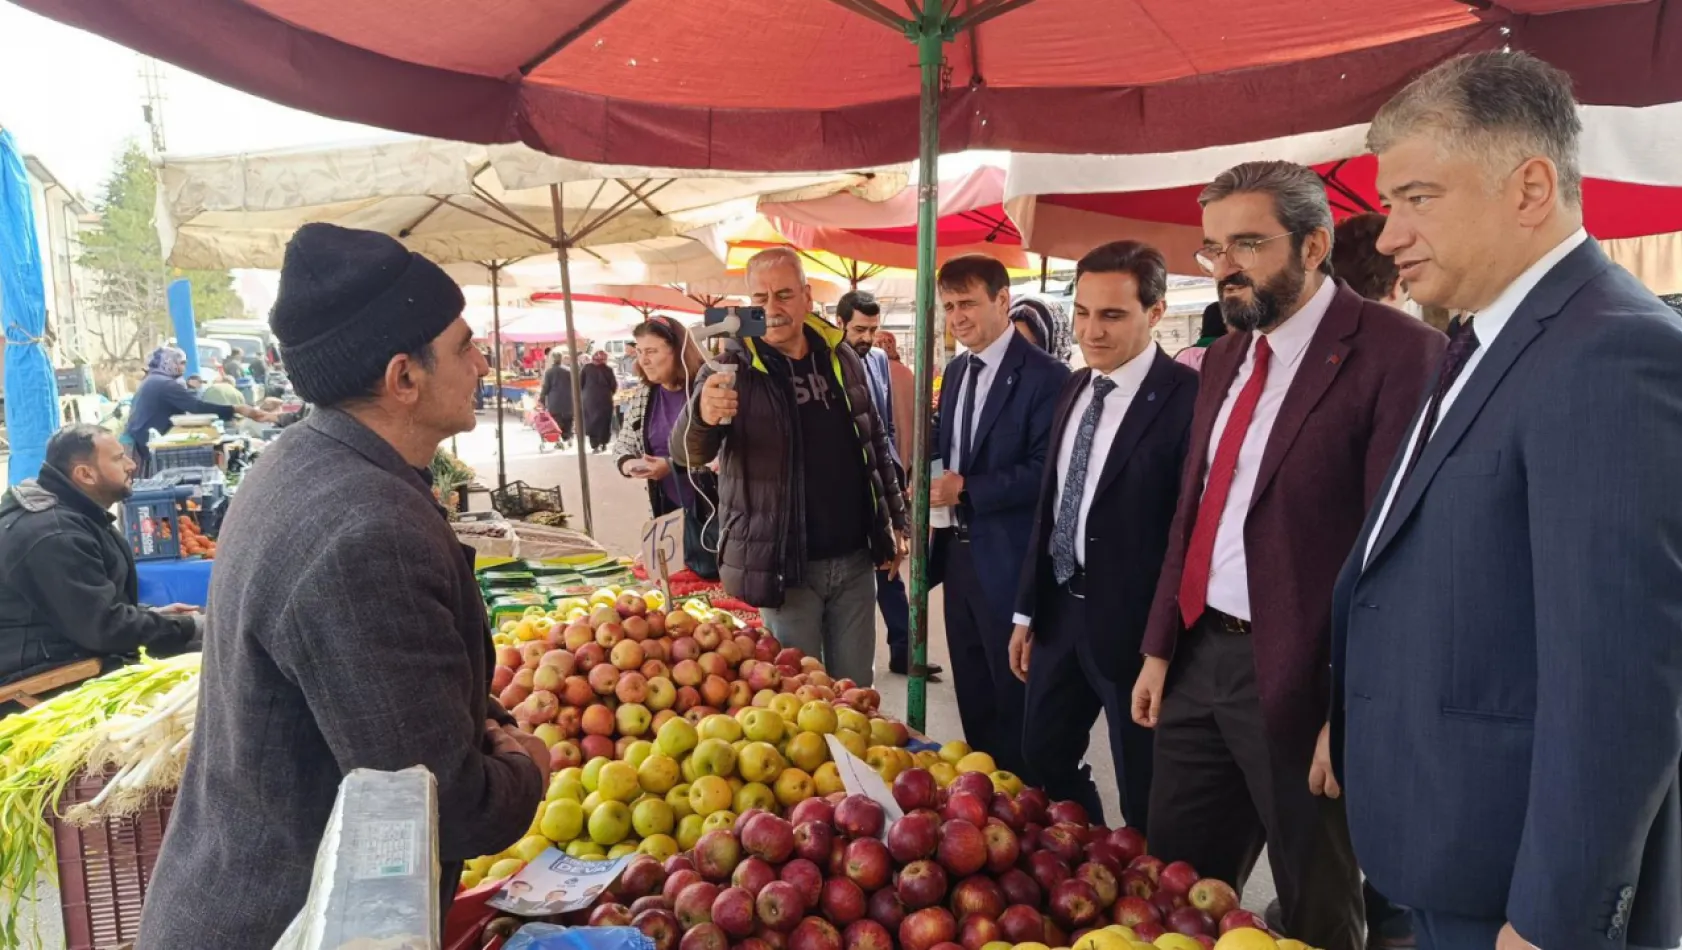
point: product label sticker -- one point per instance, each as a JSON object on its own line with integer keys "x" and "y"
{"x": 382, "y": 849}
{"x": 557, "y": 883}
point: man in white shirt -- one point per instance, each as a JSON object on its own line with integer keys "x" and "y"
{"x": 1106, "y": 502}
{"x": 993, "y": 436}
{"x": 1299, "y": 414}
{"x": 1508, "y": 628}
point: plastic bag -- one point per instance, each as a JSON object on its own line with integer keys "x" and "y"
{"x": 554, "y": 937}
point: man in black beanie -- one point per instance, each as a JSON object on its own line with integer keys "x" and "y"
{"x": 345, "y": 626}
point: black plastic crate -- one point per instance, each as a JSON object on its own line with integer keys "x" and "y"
{"x": 519, "y": 500}
{"x": 152, "y": 523}
{"x": 182, "y": 456}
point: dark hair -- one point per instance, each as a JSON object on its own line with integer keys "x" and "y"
{"x": 426, "y": 356}
{"x": 1214, "y": 322}
{"x": 862, "y": 301}
{"x": 677, "y": 338}
{"x": 958, "y": 273}
{"x": 1141, "y": 260}
{"x": 72, "y": 444}
{"x": 1356, "y": 259}
{"x": 1298, "y": 192}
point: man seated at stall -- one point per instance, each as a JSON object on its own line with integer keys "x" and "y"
{"x": 68, "y": 589}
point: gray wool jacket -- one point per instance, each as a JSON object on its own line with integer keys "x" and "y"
{"x": 345, "y": 631}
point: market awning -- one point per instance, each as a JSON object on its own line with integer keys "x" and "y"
{"x": 1064, "y": 205}
{"x": 825, "y": 84}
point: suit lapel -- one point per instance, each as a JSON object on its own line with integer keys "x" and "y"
{"x": 1004, "y": 385}
{"x": 1146, "y": 406}
{"x": 1525, "y": 325}
{"x": 1321, "y": 362}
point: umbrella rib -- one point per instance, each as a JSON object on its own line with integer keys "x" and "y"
{"x": 872, "y": 10}
{"x": 410, "y": 228}
{"x": 533, "y": 229}
{"x": 984, "y": 11}
{"x": 571, "y": 36}
{"x": 608, "y": 214}
{"x": 498, "y": 222}
{"x": 1332, "y": 182}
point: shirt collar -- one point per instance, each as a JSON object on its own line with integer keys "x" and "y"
{"x": 994, "y": 353}
{"x": 1489, "y": 321}
{"x": 1130, "y": 376}
{"x": 1289, "y": 340}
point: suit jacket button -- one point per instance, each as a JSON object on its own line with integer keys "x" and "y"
{"x": 1628, "y": 893}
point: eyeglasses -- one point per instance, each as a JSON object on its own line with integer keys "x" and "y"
{"x": 1242, "y": 252}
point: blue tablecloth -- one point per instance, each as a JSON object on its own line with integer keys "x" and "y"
{"x": 174, "y": 582}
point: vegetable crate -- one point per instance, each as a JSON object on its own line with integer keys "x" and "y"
{"x": 105, "y": 868}
{"x": 152, "y": 523}
{"x": 182, "y": 456}
{"x": 517, "y": 500}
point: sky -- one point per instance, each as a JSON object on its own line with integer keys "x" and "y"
{"x": 73, "y": 100}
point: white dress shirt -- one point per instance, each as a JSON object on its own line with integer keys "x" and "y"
{"x": 1486, "y": 326}
{"x": 1128, "y": 378}
{"x": 1229, "y": 577}
{"x": 990, "y": 357}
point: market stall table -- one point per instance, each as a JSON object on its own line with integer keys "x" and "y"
{"x": 174, "y": 582}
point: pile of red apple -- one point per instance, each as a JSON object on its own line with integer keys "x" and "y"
{"x": 966, "y": 867}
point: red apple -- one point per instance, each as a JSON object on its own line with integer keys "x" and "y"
{"x": 913, "y": 789}
{"x": 780, "y": 906}
{"x": 1047, "y": 871}
{"x": 610, "y": 915}
{"x": 1019, "y": 888}
{"x": 914, "y": 836}
{"x": 716, "y": 855}
{"x": 1022, "y": 924}
{"x": 1072, "y": 812}
{"x": 887, "y": 909}
{"x": 812, "y": 809}
{"x": 707, "y": 936}
{"x": 1149, "y": 930}
{"x": 1074, "y": 904}
{"x": 813, "y": 840}
{"x": 1177, "y": 878}
{"x": 732, "y": 911}
{"x": 842, "y": 901}
{"x": 1034, "y": 804}
{"x": 868, "y": 864}
{"x": 867, "y": 935}
{"x": 752, "y": 875}
{"x": 741, "y": 823}
{"x": 651, "y": 902}
{"x": 1133, "y": 911}
{"x": 973, "y": 783}
{"x": 1150, "y": 864}
{"x": 1136, "y": 883}
{"x": 962, "y": 849}
{"x": 1190, "y": 921}
{"x": 1166, "y": 902}
{"x": 836, "y": 866}
{"x": 1007, "y": 810}
{"x": 814, "y": 933}
{"x": 642, "y": 876}
{"x": 660, "y": 926}
{"x": 1129, "y": 842}
{"x": 926, "y": 928}
{"x": 1102, "y": 879}
{"x": 962, "y": 806}
{"x": 1003, "y": 848}
{"x": 921, "y": 884}
{"x": 677, "y": 862}
{"x": 1061, "y": 839}
{"x": 859, "y": 817}
{"x": 1213, "y": 897}
{"x": 769, "y": 837}
{"x": 975, "y": 932}
{"x": 677, "y": 881}
{"x": 771, "y": 937}
{"x": 1235, "y": 919}
{"x": 978, "y": 895}
{"x": 695, "y": 905}
{"x": 804, "y": 875}
{"x": 1101, "y": 851}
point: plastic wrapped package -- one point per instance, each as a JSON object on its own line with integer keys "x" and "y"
{"x": 553, "y": 937}
{"x": 375, "y": 885}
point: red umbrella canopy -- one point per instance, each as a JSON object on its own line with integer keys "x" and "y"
{"x": 804, "y": 84}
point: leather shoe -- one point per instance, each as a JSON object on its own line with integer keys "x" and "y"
{"x": 930, "y": 671}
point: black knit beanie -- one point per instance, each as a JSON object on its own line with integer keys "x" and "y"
{"x": 351, "y": 300}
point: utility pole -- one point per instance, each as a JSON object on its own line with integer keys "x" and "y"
{"x": 152, "y": 101}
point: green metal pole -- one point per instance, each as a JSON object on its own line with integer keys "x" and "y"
{"x": 930, "y": 33}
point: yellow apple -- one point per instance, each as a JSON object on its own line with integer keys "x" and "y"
{"x": 720, "y": 726}
{"x": 759, "y": 762}
{"x": 808, "y": 750}
{"x": 755, "y": 795}
{"x": 793, "y": 787}
{"x": 618, "y": 781}
{"x": 658, "y": 774}
{"x": 610, "y": 823}
{"x": 562, "y": 820}
{"x": 828, "y": 779}
{"x": 708, "y": 794}
{"x": 653, "y": 817}
{"x": 660, "y": 846}
{"x": 689, "y": 831}
{"x": 714, "y": 757}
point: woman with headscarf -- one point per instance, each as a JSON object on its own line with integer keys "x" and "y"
{"x": 1045, "y": 322}
{"x": 1213, "y": 328}
{"x": 597, "y": 383}
{"x": 163, "y": 394}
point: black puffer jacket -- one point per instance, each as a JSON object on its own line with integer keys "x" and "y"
{"x": 68, "y": 590}
{"x": 761, "y": 499}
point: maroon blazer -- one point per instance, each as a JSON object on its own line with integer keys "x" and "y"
{"x": 1350, "y": 407}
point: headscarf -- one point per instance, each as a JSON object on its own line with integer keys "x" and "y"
{"x": 1050, "y": 318}
{"x": 167, "y": 361}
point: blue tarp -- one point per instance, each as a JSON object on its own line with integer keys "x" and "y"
{"x": 31, "y": 389}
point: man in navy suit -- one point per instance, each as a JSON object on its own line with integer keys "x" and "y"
{"x": 993, "y": 434}
{"x": 1108, "y": 496}
{"x": 1507, "y": 640}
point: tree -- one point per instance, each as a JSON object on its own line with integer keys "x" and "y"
{"x": 131, "y": 280}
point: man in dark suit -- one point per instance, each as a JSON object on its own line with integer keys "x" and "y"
{"x": 1298, "y": 415}
{"x": 1508, "y": 627}
{"x": 1118, "y": 444}
{"x": 993, "y": 433}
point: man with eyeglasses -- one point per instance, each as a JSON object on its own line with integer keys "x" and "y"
{"x": 809, "y": 497}
{"x": 1299, "y": 413}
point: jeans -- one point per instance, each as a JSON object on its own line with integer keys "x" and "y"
{"x": 833, "y": 616}
{"x": 896, "y": 614}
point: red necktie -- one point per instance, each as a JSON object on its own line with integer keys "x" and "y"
{"x": 1200, "y": 555}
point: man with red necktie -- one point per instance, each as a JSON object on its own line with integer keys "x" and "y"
{"x": 1299, "y": 414}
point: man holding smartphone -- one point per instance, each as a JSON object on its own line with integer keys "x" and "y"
{"x": 808, "y": 494}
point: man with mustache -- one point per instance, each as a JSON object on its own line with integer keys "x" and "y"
{"x": 1299, "y": 412}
